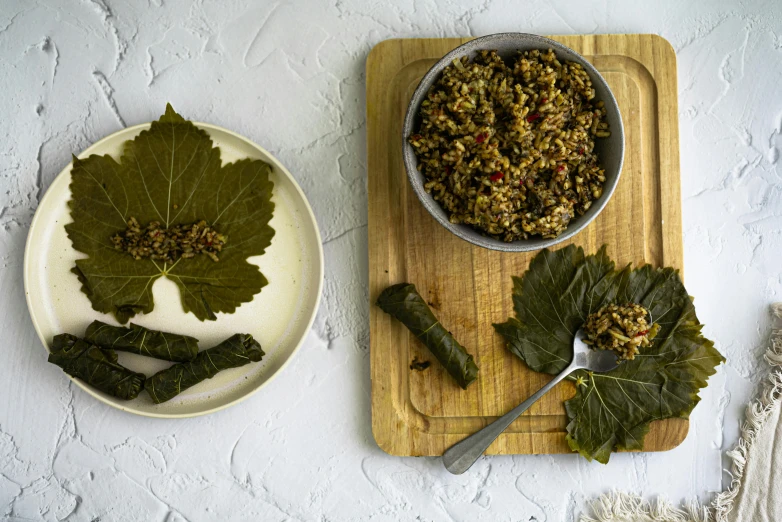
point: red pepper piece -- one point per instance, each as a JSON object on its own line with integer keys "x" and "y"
{"x": 480, "y": 138}
{"x": 497, "y": 176}
{"x": 560, "y": 168}
{"x": 533, "y": 117}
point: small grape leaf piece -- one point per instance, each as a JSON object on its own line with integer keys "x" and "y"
{"x": 611, "y": 410}
{"x": 170, "y": 173}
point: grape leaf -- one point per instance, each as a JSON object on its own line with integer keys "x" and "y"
{"x": 558, "y": 283}
{"x": 611, "y": 410}
{"x": 173, "y": 174}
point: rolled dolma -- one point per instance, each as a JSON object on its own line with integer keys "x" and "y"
{"x": 404, "y": 303}
{"x": 137, "y": 339}
{"x": 95, "y": 366}
{"x": 237, "y": 350}
{"x": 66, "y": 341}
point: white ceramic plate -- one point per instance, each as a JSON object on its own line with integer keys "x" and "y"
{"x": 279, "y": 317}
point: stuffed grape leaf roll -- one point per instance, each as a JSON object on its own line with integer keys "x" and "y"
{"x": 237, "y": 350}
{"x": 403, "y": 302}
{"x": 140, "y": 340}
{"x": 95, "y": 366}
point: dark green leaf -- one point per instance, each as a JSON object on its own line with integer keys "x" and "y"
{"x": 237, "y": 350}
{"x": 552, "y": 301}
{"x": 170, "y": 173}
{"x": 137, "y": 339}
{"x": 403, "y": 302}
{"x": 95, "y": 366}
{"x": 611, "y": 410}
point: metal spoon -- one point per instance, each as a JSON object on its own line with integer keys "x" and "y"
{"x": 459, "y": 457}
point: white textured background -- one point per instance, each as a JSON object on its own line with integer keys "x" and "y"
{"x": 290, "y": 76}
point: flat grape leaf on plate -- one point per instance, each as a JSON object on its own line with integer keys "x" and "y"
{"x": 173, "y": 174}
{"x": 611, "y": 410}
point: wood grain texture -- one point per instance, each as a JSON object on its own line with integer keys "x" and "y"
{"x": 469, "y": 288}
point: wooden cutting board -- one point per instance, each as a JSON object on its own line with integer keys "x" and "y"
{"x": 469, "y": 288}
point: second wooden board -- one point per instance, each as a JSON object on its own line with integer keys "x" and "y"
{"x": 469, "y": 288}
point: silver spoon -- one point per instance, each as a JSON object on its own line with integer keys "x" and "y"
{"x": 459, "y": 457}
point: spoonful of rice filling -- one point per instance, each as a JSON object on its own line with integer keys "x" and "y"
{"x": 624, "y": 329}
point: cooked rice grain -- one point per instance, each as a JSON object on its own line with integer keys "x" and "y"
{"x": 169, "y": 244}
{"x": 621, "y": 328}
{"x": 510, "y": 150}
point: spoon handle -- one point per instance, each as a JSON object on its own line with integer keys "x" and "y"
{"x": 459, "y": 457}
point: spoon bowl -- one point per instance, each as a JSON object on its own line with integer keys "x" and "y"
{"x": 587, "y": 358}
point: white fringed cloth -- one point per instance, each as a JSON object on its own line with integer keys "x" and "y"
{"x": 755, "y": 492}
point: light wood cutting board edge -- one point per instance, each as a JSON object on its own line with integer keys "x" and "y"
{"x": 397, "y": 427}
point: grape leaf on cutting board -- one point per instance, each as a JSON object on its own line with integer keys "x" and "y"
{"x": 612, "y": 410}
{"x": 170, "y": 173}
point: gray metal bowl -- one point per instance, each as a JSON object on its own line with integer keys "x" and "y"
{"x": 611, "y": 149}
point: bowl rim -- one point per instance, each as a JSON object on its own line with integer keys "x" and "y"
{"x": 461, "y": 230}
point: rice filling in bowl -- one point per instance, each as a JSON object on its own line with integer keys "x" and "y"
{"x": 509, "y": 150}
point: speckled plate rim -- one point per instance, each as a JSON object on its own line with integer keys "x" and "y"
{"x": 40, "y": 217}
{"x": 465, "y": 232}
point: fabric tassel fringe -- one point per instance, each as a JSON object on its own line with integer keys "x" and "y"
{"x": 627, "y": 507}
{"x": 756, "y": 415}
